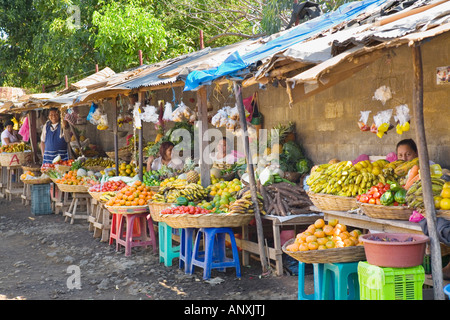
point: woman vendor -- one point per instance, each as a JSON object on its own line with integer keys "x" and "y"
{"x": 165, "y": 158}
{"x": 9, "y": 136}
{"x": 54, "y": 138}
{"x": 221, "y": 154}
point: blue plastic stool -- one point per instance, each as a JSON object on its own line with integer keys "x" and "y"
{"x": 214, "y": 256}
{"x": 167, "y": 252}
{"x": 447, "y": 290}
{"x": 340, "y": 281}
{"x": 186, "y": 245}
{"x": 318, "y": 278}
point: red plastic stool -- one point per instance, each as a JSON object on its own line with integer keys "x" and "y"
{"x": 138, "y": 231}
{"x": 115, "y": 222}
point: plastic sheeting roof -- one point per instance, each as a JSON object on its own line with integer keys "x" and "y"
{"x": 235, "y": 62}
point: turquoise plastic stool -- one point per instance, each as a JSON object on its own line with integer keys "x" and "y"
{"x": 186, "y": 245}
{"x": 447, "y": 290}
{"x": 318, "y": 278}
{"x": 340, "y": 281}
{"x": 167, "y": 252}
{"x": 214, "y": 256}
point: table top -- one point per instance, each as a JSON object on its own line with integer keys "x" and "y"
{"x": 305, "y": 218}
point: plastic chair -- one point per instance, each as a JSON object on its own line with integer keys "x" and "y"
{"x": 340, "y": 281}
{"x": 167, "y": 252}
{"x": 138, "y": 233}
{"x": 186, "y": 247}
{"x": 214, "y": 256}
{"x": 318, "y": 278}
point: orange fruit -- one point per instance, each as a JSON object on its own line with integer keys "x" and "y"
{"x": 128, "y": 203}
{"x": 293, "y": 247}
{"x": 348, "y": 243}
{"x": 322, "y": 241}
{"x": 342, "y": 227}
{"x": 141, "y": 202}
{"x": 313, "y": 245}
{"x": 340, "y": 244}
{"x": 344, "y": 235}
{"x": 322, "y": 247}
{"x": 319, "y": 233}
{"x": 311, "y": 229}
{"x": 328, "y": 230}
{"x": 330, "y": 244}
{"x": 303, "y": 247}
{"x": 319, "y": 223}
{"x": 311, "y": 238}
{"x": 333, "y": 222}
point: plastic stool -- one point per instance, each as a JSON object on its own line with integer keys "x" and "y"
{"x": 186, "y": 246}
{"x": 318, "y": 278}
{"x": 340, "y": 281}
{"x": 214, "y": 256}
{"x": 447, "y": 290}
{"x": 167, "y": 252}
{"x": 143, "y": 237}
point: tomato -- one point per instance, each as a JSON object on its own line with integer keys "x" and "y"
{"x": 357, "y": 197}
{"x": 364, "y": 198}
{"x": 380, "y": 185}
{"x": 372, "y": 201}
{"x": 378, "y": 201}
{"x": 376, "y": 195}
{"x": 387, "y": 186}
{"x": 395, "y": 203}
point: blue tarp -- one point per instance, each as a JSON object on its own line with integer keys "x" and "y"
{"x": 235, "y": 63}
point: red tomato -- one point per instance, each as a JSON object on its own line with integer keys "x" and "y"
{"x": 380, "y": 185}
{"x": 357, "y": 197}
{"x": 378, "y": 201}
{"x": 387, "y": 186}
{"x": 364, "y": 198}
{"x": 395, "y": 203}
{"x": 376, "y": 195}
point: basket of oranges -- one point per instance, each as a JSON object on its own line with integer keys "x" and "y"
{"x": 131, "y": 199}
{"x": 326, "y": 243}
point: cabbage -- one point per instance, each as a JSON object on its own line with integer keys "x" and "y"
{"x": 303, "y": 166}
{"x": 292, "y": 151}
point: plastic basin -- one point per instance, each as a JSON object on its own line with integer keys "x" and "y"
{"x": 395, "y": 254}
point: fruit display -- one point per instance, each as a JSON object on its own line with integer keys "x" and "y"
{"x": 137, "y": 194}
{"x": 151, "y": 178}
{"x": 47, "y": 166}
{"x": 171, "y": 190}
{"x": 64, "y": 162}
{"x": 414, "y": 195}
{"x": 389, "y": 194}
{"x": 18, "y": 147}
{"x": 322, "y": 236}
{"x": 244, "y": 204}
{"x": 127, "y": 169}
{"x": 73, "y": 177}
{"x": 98, "y": 162}
{"x": 27, "y": 175}
{"x": 108, "y": 186}
{"x": 345, "y": 179}
{"x": 185, "y": 210}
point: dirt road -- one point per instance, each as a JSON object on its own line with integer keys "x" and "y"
{"x": 45, "y": 258}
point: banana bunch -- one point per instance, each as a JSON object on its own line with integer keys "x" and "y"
{"x": 18, "y": 147}
{"x": 170, "y": 193}
{"x": 414, "y": 195}
{"x": 106, "y": 196}
{"x": 348, "y": 180}
{"x": 102, "y": 162}
{"x": 245, "y": 204}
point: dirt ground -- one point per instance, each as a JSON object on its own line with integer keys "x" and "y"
{"x": 46, "y": 258}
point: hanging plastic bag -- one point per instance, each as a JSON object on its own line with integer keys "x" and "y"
{"x": 382, "y": 122}
{"x": 103, "y": 122}
{"x": 402, "y": 118}
{"x": 382, "y": 94}
{"x": 362, "y": 123}
{"x": 90, "y": 116}
{"x": 168, "y": 110}
{"x": 150, "y": 114}
{"x": 137, "y": 115}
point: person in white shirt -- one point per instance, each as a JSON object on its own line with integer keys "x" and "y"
{"x": 9, "y": 136}
{"x": 165, "y": 158}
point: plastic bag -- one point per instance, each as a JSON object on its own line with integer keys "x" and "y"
{"x": 103, "y": 122}
{"x": 382, "y": 94}
{"x": 362, "y": 123}
{"x": 220, "y": 119}
{"x": 168, "y": 110}
{"x": 150, "y": 114}
{"x": 137, "y": 115}
{"x": 402, "y": 118}
{"x": 382, "y": 122}
{"x": 183, "y": 112}
{"x": 90, "y": 116}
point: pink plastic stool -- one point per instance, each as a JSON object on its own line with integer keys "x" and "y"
{"x": 130, "y": 237}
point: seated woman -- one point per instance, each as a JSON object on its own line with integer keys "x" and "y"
{"x": 221, "y": 155}
{"x": 9, "y": 136}
{"x": 165, "y": 158}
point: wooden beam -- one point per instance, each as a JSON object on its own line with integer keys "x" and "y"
{"x": 202, "y": 105}
{"x": 424, "y": 163}
{"x": 116, "y": 139}
{"x": 243, "y": 121}
{"x": 33, "y": 134}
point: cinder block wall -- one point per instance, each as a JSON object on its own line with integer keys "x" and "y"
{"x": 326, "y": 124}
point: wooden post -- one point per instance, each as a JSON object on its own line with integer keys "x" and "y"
{"x": 116, "y": 139}
{"x": 202, "y": 105}
{"x": 202, "y": 43}
{"x": 424, "y": 163}
{"x": 141, "y": 147}
{"x": 33, "y": 135}
{"x": 96, "y": 68}
{"x": 66, "y": 81}
{"x": 262, "y": 252}
{"x": 140, "y": 58}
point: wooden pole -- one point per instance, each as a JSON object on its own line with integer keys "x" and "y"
{"x": 140, "y": 58}
{"x": 33, "y": 135}
{"x": 96, "y": 68}
{"x": 202, "y": 105}
{"x": 262, "y": 253}
{"x": 141, "y": 147}
{"x": 202, "y": 43}
{"x": 66, "y": 81}
{"x": 116, "y": 139}
{"x": 425, "y": 176}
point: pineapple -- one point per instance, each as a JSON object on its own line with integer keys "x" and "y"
{"x": 192, "y": 176}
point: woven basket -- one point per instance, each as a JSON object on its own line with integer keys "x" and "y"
{"x": 37, "y": 181}
{"x": 443, "y": 214}
{"x": 72, "y": 188}
{"x": 97, "y": 195}
{"x": 334, "y": 255}
{"x": 157, "y": 207}
{"x": 127, "y": 209}
{"x": 209, "y": 220}
{"x": 385, "y": 212}
{"x": 331, "y": 202}
{"x": 124, "y": 155}
{"x": 31, "y": 168}
{"x": 11, "y": 159}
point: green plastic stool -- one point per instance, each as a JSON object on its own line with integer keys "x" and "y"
{"x": 340, "y": 281}
{"x": 167, "y": 252}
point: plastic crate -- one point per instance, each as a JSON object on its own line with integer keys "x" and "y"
{"x": 40, "y": 199}
{"x": 377, "y": 283}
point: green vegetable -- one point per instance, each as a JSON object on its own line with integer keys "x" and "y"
{"x": 292, "y": 150}
{"x": 400, "y": 196}
{"x": 303, "y": 166}
{"x": 182, "y": 201}
{"x": 387, "y": 198}
{"x": 394, "y": 186}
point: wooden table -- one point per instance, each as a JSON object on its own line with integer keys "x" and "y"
{"x": 13, "y": 186}
{"x": 80, "y": 200}
{"x": 3, "y": 181}
{"x": 275, "y": 252}
{"x": 99, "y": 220}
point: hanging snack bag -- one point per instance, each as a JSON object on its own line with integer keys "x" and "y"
{"x": 362, "y": 123}
{"x": 402, "y": 118}
{"x": 382, "y": 122}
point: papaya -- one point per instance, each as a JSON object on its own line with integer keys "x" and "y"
{"x": 403, "y": 169}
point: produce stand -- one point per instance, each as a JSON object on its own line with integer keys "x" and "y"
{"x": 275, "y": 252}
